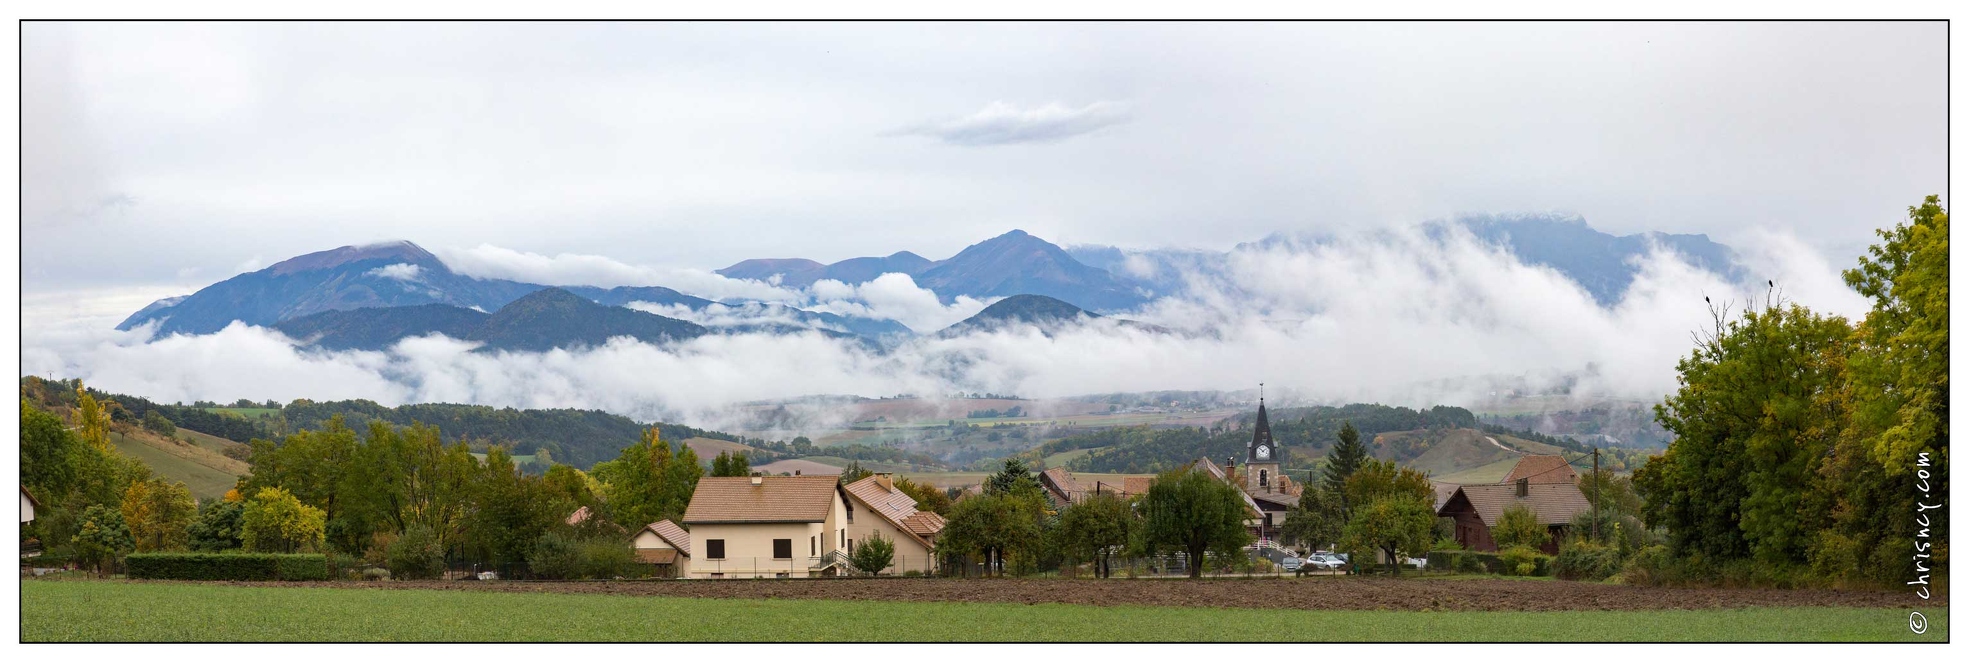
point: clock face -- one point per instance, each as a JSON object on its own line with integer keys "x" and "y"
{"x": 1264, "y": 453}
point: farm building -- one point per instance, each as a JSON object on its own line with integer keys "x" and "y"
{"x": 1064, "y": 489}
{"x": 666, "y": 546}
{"x": 1477, "y": 508}
{"x": 876, "y": 506}
{"x": 752, "y": 527}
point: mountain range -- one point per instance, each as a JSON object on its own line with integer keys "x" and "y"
{"x": 366, "y": 297}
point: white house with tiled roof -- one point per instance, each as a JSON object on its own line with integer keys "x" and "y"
{"x": 767, "y": 527}
{"x": 665, "y": 545}
{"x": 876, "y": 506}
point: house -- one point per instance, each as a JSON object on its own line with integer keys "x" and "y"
{"x": 753, "y": 527}
{"x": 1064, "y": 489}
{"x": 28, "y": 505}
{"x": 1476, "y": 508}
{"x": 666, "y": 546}
{"x": 876, "y": 506}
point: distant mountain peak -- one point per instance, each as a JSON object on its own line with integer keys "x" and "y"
{"x": 400, "y": 250}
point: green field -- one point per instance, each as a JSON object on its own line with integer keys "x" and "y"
{"x": 99, "y": 611}
{"x": 203, "y": 480}
{"x": 1060, "y": 459}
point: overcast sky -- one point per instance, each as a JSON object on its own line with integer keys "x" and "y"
{"x": 162, "y": 157}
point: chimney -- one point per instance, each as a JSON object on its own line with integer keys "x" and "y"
{"x": 887, "y": 481}
{"x": 758, "y": 480}
{"x": 1524, "y": 487}
{"x": 1230, "y": 465}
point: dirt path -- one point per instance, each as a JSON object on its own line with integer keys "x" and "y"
{"x": 1332, "y": 593}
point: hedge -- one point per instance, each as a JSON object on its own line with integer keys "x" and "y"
{"x": 226, "y": 566}
{"x": 1465, "y": 561}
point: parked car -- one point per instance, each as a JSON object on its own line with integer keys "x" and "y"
{"x": 1291, "y": 564}
{"x": 1325, "y": 562}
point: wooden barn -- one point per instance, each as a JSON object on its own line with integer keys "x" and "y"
{"x": 1477, "y": 507}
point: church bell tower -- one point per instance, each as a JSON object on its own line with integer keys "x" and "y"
{"x": 1262, "y": 455}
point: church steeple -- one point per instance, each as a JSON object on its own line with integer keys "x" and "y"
{"x": 1261, "y": 449}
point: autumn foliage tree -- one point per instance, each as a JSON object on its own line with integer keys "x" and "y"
{"x": 275, "y": 521}
{"x": 158, "y": 513}
{"x": 1192, "y": 511}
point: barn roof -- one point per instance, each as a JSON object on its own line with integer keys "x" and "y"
{"x": 801, "y": 499}
{"x": 1543, "y": 469}
{"x": 1553, "y": 503}
{"x": 656, "y": 555}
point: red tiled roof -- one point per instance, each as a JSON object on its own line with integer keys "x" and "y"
{"x": 1136, "y": 485}
{"x": 656, "y": 555}
{"x": 672, "y": 534}
{"x": 579, "y": 516}
{"x": 924, "y": 523}
{"x": 1543, "y": 469}
{"x": 895, "y": 506}
{"x": 801, "y": 499}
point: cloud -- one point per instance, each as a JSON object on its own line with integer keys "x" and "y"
{"x": 488, "y": 261}
{"x": 1397, "y": 318}
{"x": 402, "y": 271}
{"x": 1001, "y": 123}
{"x": 893, "y": 296}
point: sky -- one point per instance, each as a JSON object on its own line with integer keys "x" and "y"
{"x": 162, "y": 157}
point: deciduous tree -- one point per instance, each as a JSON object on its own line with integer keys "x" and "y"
{"x": 1192, "y": 511}
{"x": 158, "y": 513}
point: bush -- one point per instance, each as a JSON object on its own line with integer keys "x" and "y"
{"x": 1464, "y": 561}
{"x": 1585, "y": 560}
{"x": 415, "y": 554}
{"x": 375, "y": 574}
{"x": 554, "y": 557}
{"x": 1525, "y": 561}
{"x": 227, "y": 566}
{"x": 343, "y": 565}
{"x": 609, "y": 557}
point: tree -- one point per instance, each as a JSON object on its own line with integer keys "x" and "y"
{"x": 1317, "y": 520}
{"x": 993, "y": 527}
{"x": 507, "y": 512}
{"x": 158, "y": 513}
{"x": 1093, "y": 528}
{"x": 1014, "y": 477}
{"x": 91, "y": 419}
{"x": 873, "y": 554}
{"x": 416, "y": 554}
{"x": 854, "y": 472}
{"x": 1190, "y": 510}
{"x": 1345, "y": 457}
{"x": 102, "y": 539}
{"x": 554, "y": 557}
{"x": 219, "y": 526}
{"x": 1390, "y": 511}
{"x": 731, "y": 464}
{"x": 1519, "y": 527}
{"x": 276, "y": 521}
{"x": 1896, "y": 393}
{"x": 155, "y": 422}
{"x": 48, "y": 454}
{"x": 1753, "y": 421}
{"x": 1395, "y": 525}
{"x": 928, "y": 497}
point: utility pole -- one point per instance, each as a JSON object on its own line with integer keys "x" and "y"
{"x": 1596, "y": 494}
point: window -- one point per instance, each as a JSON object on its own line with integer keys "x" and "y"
{"x": 851, "y": 512}
{"x": 782, "y": 574}
{"x": 844, "y": 539}
{"x": 782, "y": 549}
{"x": 813, "y": 546}
{"x": 716, "y": 576}
{"x": 714, "y": 549}
{"x": 1264, "y": 477}
{"x": 851, "y": 546}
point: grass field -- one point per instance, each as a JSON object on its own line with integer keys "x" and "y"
{"x": 1060, "y": 459}
{"x": 99, "y": 611}
{"x": 204, "y": 472}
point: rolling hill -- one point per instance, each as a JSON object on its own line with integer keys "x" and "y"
{"x": 543, "y": 320}
{"x": 1046, "y": 313}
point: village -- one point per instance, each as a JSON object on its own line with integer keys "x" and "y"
{"x": 754, "y": 527}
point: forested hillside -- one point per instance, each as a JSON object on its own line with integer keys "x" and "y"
{"x": 1304, "y": 433}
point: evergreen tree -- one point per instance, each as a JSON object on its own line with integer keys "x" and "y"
{"x": 1345, "y": 457}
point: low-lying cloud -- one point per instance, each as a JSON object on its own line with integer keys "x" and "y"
{"x": 1398, "y": 318}
{"x": 1001, "y": 123}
